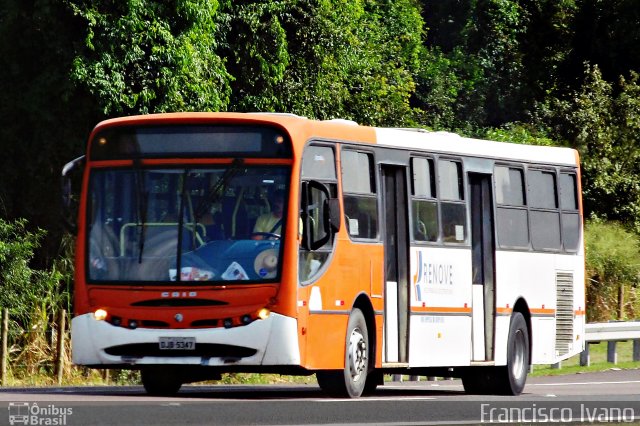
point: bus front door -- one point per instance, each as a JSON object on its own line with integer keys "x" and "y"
{"x": 483, "y": 266}
{"x": 396, "y": 258}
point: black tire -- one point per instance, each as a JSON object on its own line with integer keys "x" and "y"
{"x": 160, "y": 383}
{"x": 515, "y": 375}
{"x": 504, "y": 380}
{"x": 350, "y": 381}
{"x": 375, "y": 378}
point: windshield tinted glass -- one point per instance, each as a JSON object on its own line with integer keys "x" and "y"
{"x": 222, "y": 223}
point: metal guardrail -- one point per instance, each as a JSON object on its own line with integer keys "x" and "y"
{"x": 605, "y": 331}
{"x": 611, "y": 332}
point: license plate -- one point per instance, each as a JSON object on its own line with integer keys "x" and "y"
{"x": 179, "y": 343}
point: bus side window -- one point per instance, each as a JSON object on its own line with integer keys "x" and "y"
{"x": 543, "y": 209}
{"x": 452, "y": 206}
{"x": 512, "y": 220}
{"x": 570, "y": 214}
{"x": 359, "y": 192}
{"x": 424, "y": 207}
{"x": 318, "y": 164}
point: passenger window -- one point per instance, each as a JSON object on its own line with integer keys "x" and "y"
{"x": 543, "y": 205}
{"x": 357, "y": 176}
{"x": 568, "y": 191}
{"x": 318, "y": 164}
{"x": 512, "y": 215}
{"x": 423, "y": 180}
{"x": 450, "y": 177}
{"x": 359, "y": 192}
{"x": 452, "y": 207}
{"x": 424, "y": 207}
{"x": 542, "y": 189}
{"x": 509, "y": 186}
{"x": 570, "y": 214}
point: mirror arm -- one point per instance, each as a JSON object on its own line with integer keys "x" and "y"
{"x": 69, "y": 222}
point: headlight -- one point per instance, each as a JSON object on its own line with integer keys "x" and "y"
{"x": 100, "y": 315}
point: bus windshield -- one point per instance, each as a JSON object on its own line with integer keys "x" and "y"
{"x": 218, "y": 223}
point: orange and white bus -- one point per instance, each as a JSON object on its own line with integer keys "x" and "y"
{"x": 389, "y": 251}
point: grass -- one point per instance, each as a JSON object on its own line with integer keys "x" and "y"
{"x": 598, "y": 361}
{"x": 79, "y": 376}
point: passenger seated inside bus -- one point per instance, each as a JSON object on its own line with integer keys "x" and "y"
{"x": 357, "y": 218}
{"x": 270, "y": 223}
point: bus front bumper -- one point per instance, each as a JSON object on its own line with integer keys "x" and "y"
{"x": 272, "y": 341}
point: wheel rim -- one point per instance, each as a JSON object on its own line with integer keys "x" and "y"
{"x": 517, "y": 367}
{"x": 357, "y": 355}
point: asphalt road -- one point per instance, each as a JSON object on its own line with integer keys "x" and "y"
{"x": 581, "y": 398}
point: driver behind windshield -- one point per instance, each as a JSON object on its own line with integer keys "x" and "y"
{"x": 271, "y": 223}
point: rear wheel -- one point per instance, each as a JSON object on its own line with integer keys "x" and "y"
{"x": 158, "y": 382}
{"x": 350, "y": 381}
{"x": 509, "y": 379}
{"x": 515, "y": 376}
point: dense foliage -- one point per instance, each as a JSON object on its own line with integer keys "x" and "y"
{"x": 613, "y": 272}
{"x": 535, "y": 71}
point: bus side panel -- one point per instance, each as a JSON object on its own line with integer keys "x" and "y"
{"x": 529, "y": 276}
{"x": 326, "y": 341}
{"x": 440, "y": 341}
{"x": 440, "y": 307}
{"x": 534, "y": 277}
{"x": 354, "y": 269}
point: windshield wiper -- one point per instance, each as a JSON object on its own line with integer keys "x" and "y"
{"x": 180, "y": 224}
{"x": 141, "y": 198}
{"x": 216, "y": 190}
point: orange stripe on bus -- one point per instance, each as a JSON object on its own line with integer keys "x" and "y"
{"x": 440, "y": 309}
{"x": 542, "y": 311}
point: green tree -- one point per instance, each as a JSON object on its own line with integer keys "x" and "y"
{"x": 324, "y": 59}
{"x": 612, "y": 271}
{"x": 144, "y": 56}
{"x": 256, "y": 49}
{"x": 22, "y": 286}
{"x": 606, "y": 33}
{"x": 602, "y": 121}
{"x": 546, "y": 43}
{"x": 472, "y": 74}
{"x": 445, "y": 87}
{"x": 44, "y": 117}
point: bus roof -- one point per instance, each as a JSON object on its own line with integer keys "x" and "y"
{"x": 302, "y": 129}
{"x": 451, "y": 143}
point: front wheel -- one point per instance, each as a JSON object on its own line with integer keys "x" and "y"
{"x": 350, "y": 382}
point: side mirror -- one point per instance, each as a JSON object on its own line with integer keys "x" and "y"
{"x": 334, "y": 214}
{"x": 69, "y": 202}
{"x": 320, "y": 215}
